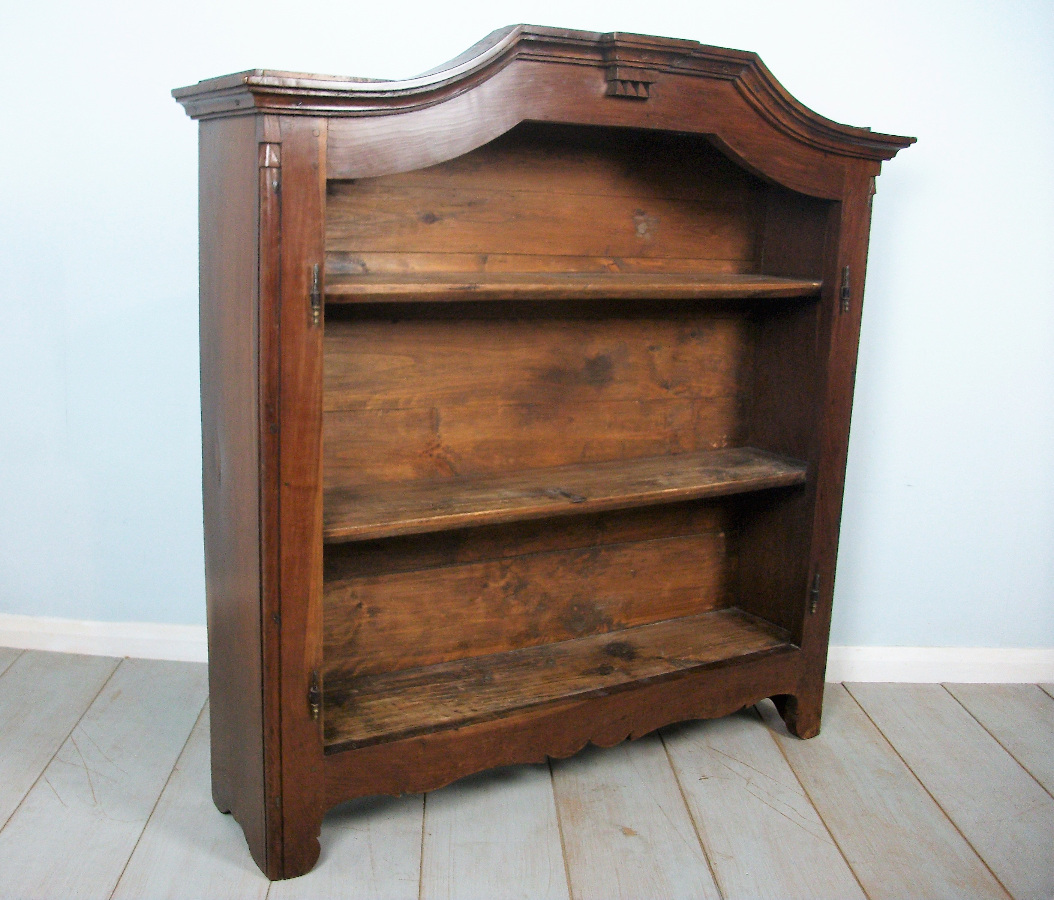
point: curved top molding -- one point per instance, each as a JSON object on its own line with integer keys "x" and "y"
{"x": 633, "y": 63}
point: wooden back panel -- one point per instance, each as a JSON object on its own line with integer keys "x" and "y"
{"x": 416, "y": 601}
{"x": 425, "y": 392}
{"x": 435, "y": 398}
{"x": 544, "y": 197}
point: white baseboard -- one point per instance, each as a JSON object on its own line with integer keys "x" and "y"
{"x": 187, "y": 643}
{"x": 992, "y": 665}
{"x": 146, "y": 640}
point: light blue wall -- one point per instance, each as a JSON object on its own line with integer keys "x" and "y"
{"x": 948, "y": 534}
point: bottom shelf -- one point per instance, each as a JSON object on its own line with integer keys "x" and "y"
{"x": 380, "y": 708}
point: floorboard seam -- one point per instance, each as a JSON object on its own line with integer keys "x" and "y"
{"x": 157, "y": 799}
{"x": 559, "y": 828}
{"x": 14, "y": 659}
{"x": 421, "y": 859}
{"x": 995, "y": 738}
{"x": 922, "y": 784}
{"x": 812, "y": 803}
{"x": 691, "y": 818}
{"x": 61, "y": 744}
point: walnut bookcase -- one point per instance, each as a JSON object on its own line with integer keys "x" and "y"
{"x": 525, "y": 395}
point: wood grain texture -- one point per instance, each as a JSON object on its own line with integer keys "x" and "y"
{"x": 419, "y": 359}
{"x": 459, "y": 395}
{"x": 480, "y": 437}
{"x": 896, "y": 838}
{"x": 476, "y": 846}
{"x": 626, "y": 831}
{"x": 718, "y": 172}
{"x": 389, "y": 510}
{"x": 500, "y": 199}
{"x": 1010, "y": 823}
{"x": 371, "y": 848}
{"x": 455, "y": 287}
{"x": 479, "y": 266}
{"x": 565, "y": 159}
{"x": 42, "y": 697}
{"x": 488, "y": 543}
{"x": 762, "y": 835}
{"x": 187, "y": 850}
{"x": 79, "y": 824}
{"x": 228, "y": 201}
{"x": 1020, "y": 717}
{"x": 383, "y": 623}
{"x": 372, "y": 708}
{"x": 299, "y": 550}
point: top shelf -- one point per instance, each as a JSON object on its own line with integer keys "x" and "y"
{"x": 451, "y": 287}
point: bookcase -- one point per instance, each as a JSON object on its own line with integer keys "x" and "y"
{"x": 526, "y": 388}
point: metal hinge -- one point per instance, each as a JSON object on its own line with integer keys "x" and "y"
{"x": 814, "y": 594}
{"x": 316, "y": 296}
{"x": 314, "y": 696}
{"x": 846, "y": 291}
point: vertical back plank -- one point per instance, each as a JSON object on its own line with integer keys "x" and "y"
{"x": 494, "y": 835}
{"x": 1020, "y": 717}
{"x": 626, "y": 830}
{"x": 372, "y": 844}
{"x": 759, "y": 828}
{"x": 1002, "y": 811}
{"x": 42, "y": 695}
{"x": 897, "y": 840}
{"x": 77, "y": 827}
{"x": 188, "y": 849}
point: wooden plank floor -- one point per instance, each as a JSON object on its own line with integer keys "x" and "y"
{"x": 922, "y": 791}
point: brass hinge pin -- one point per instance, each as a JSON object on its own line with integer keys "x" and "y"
{"x": 814, "y": 594}
{"x": 316, "y": 296}
{"x": 314, "y": 696}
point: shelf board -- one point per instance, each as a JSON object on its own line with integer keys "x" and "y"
{"x": 388, "y": 707}
{"x": 445, "y": 286}
{"x": 418, "y": 507}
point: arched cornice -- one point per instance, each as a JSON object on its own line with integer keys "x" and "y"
{"x": 632, "y": 64}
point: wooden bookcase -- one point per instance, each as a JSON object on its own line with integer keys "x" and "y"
{"x": 525, "y": 398}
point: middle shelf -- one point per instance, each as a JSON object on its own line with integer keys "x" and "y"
{"x": 387, "y": 510}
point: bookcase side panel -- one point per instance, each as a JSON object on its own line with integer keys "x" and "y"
{"x": 228, "y": 206}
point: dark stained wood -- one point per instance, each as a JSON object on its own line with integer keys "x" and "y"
{"x": 268, "y": 134}
{"x": 406, "y": 363}
{"x": 608, "y": 286}
{"x": 231, "y": 477}
{"x": 479, "y": 438}
{"x": 388, "y": 707}
{"x": 411, "y": 264}
{"x": 565, "y": 159}
{"x": 300, "y": 492}
{"x": 492, "y": 542}
{"x": 559, "y": 729}
{"x": 416, "y": 507}
{"x": 459, "y": 396}
{"x": 385, "y": 622}
{"x": 567, "y": 273}
{"x": 437, "y": 220}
